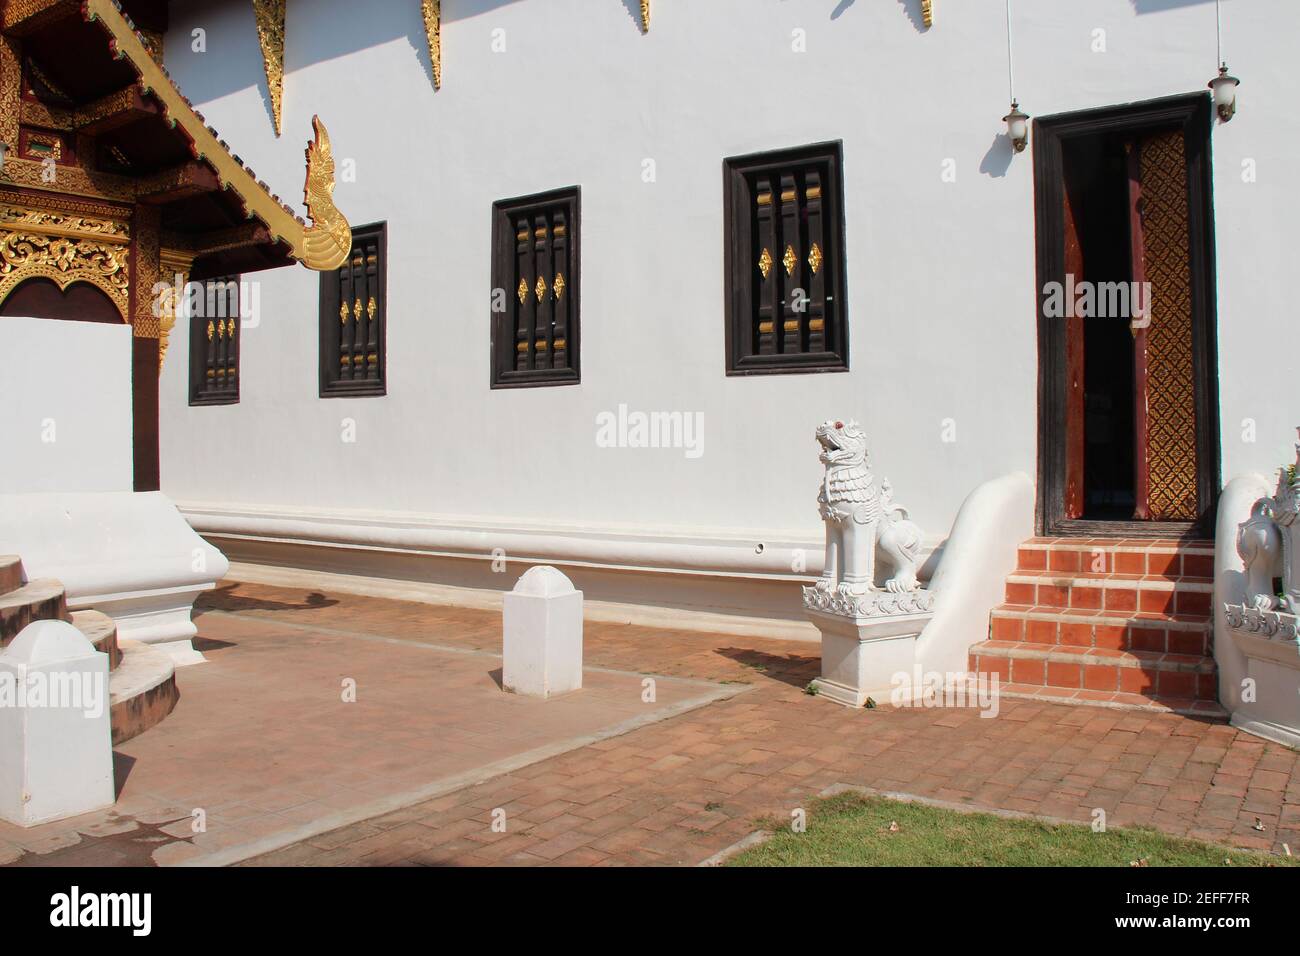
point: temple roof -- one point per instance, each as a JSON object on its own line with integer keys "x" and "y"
{"x": 91, "y": 75}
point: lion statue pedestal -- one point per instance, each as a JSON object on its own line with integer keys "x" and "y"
{"x": 1265, "y": 626}
{"x": 868, "y": 631}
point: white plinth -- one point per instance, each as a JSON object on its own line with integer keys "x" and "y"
{"x": 862, "y": 656}
{"x": 542, "y": 635}
{"x": 56, "y": 750}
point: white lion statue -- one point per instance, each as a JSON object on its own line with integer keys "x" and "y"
{"x": 1267, "y": 543}
{"x": 859, "y": 515}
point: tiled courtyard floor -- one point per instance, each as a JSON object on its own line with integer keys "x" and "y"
{"x": 267, "y": 745}
{"x": 678, "y": 790}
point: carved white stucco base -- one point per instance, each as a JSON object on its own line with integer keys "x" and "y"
{"x": 862, "y": 656}
{"x": 130, "y": 555}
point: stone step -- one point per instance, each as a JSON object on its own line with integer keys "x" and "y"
{"x": 39, "y": 600}
{"x": 1115, "y": 630}
{"x": 11, "y": 573}
{"x": 1182, "y": 676}
{"x": 101, "y": 631}
{"x": 1111, "y": 592}
{"x": 1174, "y": 558}
{"x": 1188, "y": 707}
{"x": 142, "y": 690}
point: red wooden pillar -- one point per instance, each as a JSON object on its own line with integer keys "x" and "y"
{"x": 145, "y": 330}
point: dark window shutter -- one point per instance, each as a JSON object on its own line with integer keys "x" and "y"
{"x": 535, "y": 290}
{"x": 785, "y": 271}
{"x": 353, "y": 314}
{"x": 215, "y": 333}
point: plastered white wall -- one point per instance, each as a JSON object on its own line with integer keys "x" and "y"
{"x": 941, "y": 298}
{"x": 65, "y": 406}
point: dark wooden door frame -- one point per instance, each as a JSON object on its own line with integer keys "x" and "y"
{"x": 1194, "y": 114}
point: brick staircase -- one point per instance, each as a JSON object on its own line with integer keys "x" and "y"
{"x": 1107, "y": 622}
{"x": 141, "y": 681}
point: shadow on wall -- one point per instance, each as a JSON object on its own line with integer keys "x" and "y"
{"x": 913, "y": 9}
{"x": 997, "y": 160}
{"x": 1159, "y": 6}
{"x": 328, "y": 29}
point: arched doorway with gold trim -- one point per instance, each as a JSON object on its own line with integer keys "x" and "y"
{"x": 42, "y": 298}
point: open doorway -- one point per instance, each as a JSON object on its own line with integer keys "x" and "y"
{"x": 1128, "y": 403}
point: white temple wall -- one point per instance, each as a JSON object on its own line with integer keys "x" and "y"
{"x": 65, "y": 406}
{"x": 941, "y": 275}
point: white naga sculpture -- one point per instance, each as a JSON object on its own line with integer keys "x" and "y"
{"x": 859, "y": 514}
{"x": 1268, "y": 543}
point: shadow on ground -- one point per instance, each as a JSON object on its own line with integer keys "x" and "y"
{"x": 793, "y": 669}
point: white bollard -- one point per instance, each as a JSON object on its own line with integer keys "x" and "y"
{"x": 542, "y": 635}
{"x": 56, "y": 744}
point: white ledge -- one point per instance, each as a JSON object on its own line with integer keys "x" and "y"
{"x": 763, "y": 553}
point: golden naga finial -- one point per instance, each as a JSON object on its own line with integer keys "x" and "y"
{"x": 327, "y": 242}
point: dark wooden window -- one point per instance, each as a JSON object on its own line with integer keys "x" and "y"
{"x": 785, "y": 276}
{"x": 353, "y": 306}
{"x": 215, "y": 332}
{"x": 535, "y": 300}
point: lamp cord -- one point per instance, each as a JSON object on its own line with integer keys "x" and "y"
{"x": 1011, "y": 76}
{"x": 1218, "y": 31}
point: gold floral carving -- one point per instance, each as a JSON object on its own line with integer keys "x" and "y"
{"x": 432, "y": 11}
{"x": 645, "y": 16}
{"x": 270, "y": 34}
{"x": 927, "y": 12}
{"x": 174, "y": 268}
{"x": 64, "y": 245}
{"x": 28, "y": 255}
{"x": 11, "y": 73}
{"x": 63, "y": 225}
{"x": 146, "y": 318}
{"x": 765, "y": 262}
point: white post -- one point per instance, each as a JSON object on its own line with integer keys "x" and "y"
{"x": 542, "y": 635}
{"x": 56, "y": 745}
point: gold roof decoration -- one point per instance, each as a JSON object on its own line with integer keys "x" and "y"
{"x": 432, "y": 12}
{"x": 258, "y": 202}
{"x": 328, "y": 240}
{"x": 270, "y": 34}
{"x": 645, "y": 16}
{"x": 927, "y": 12}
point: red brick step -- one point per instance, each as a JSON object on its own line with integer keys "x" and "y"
{"x": 1107, "y": 622}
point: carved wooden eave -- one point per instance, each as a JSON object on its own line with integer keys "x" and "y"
{"x": 258, "y": 202}
{"x": 431, "y": 10}
{"x": 270, "y": 35}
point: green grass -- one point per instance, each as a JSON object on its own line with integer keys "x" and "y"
{"x": 855, "y": 830}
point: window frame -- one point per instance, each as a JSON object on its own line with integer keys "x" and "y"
{"x": 328, "y": 325}
{"x": 502, "y": 338}
{"x": 740, "y": 269}
{"x": 198, "y": 333}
